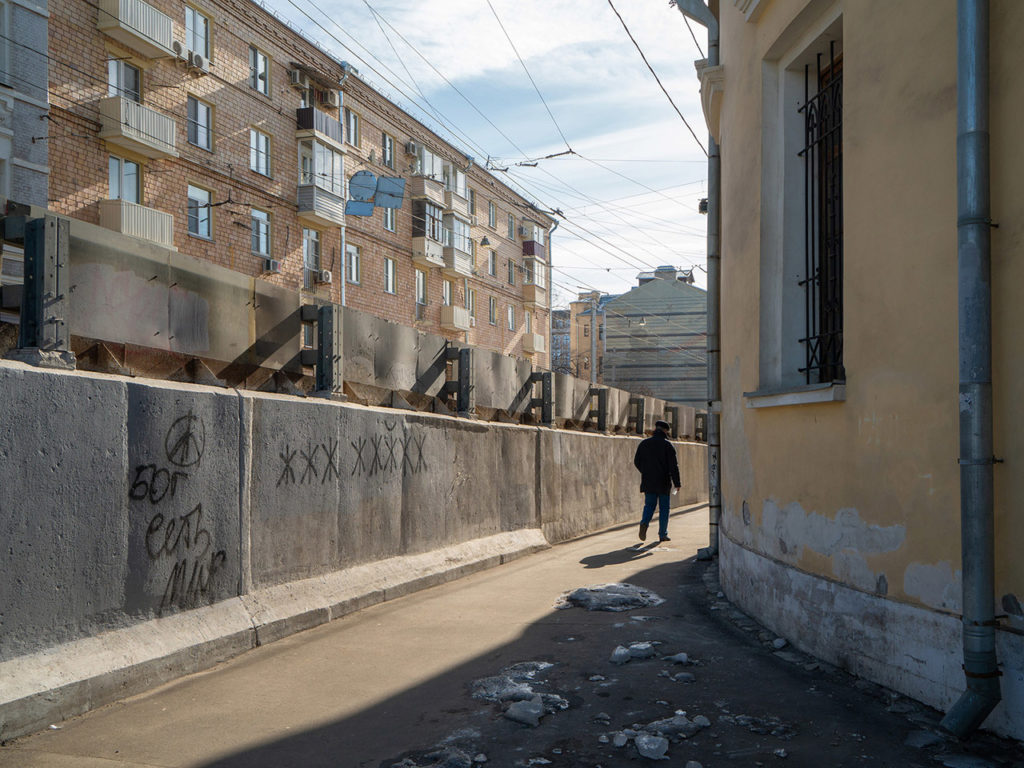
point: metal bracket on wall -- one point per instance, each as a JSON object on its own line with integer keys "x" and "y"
{"x": 462, "y": 384}
{"x": 544, "y": 401}
{"x": 601, "y": 412}
{"x": 328, "y": 357}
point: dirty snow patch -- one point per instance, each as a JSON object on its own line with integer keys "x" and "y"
{"x": 611, "y": 597}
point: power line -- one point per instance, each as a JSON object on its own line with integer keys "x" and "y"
{"x": 658, "y": 79}
{"x": 699, "y": 50}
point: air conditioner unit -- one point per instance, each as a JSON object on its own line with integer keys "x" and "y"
{"x": 298, "y": 79}
{"x": 272, "y": 266}
{"x": 324, "y": 276}
{"x": 473, "y": 221}
{"x": 198, "y": 61}
{"x": 329, "y": 98}
{"x": 180, "y": 50}
{"x": 411, "y": 148}
{"x": 524, "y": 231}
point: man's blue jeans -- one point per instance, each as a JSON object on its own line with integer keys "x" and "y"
{"x": 662, "y": 500}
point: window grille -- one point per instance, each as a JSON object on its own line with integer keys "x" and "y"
{"x": 823, "y": 215}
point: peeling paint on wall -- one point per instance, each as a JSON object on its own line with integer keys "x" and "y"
{"x": 935, "y": 585}
{"x": 796, "y": 530}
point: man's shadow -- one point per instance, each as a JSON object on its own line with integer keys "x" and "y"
{"x": 619, "y": 556}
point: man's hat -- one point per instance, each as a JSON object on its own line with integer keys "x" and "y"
{"x": 663, "y": 425}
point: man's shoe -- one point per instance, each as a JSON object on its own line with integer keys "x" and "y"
{"x": 643, "y": 531}
{"x": 664, "y": 538}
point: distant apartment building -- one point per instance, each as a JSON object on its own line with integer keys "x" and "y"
{"x": 586, "y": 334}
{"x": 655, "y": 338}
{"x": 24, "y": 104}
{"x": 561, "y": 350}
{"x": 215, "y": 129}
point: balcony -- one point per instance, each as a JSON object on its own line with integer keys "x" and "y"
{"x": 319, "y": 207}
{"x": 426, "y": 187}
{"x": 310, "y": 122}
{"x": 137, "y": 128}
{"x": 138, "y": 25}
{"x": 455, "y": 318}
{"x": 427, "y": 253}
{"x": 456, "y": 203}
{"x": 534, "y": 296}
{"x": 138, "y": 221}
{"x": 457, "y": 263}
{"x": 533, "y": 248}
{"x": 533, "y": 343}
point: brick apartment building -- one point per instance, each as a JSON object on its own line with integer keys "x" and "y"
{"x": 214, "y": 128}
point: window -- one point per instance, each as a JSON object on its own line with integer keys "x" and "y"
{"x": 533, "y": 273}
{"x": 456, "y": 233}
{"x": 492, "y": 263}
{"x": 421, "y": 287}
{"x": 200, "y": 123}
{"x": 351, "y": 127}
{"x": 471, "y": 301}
{"x": 259, "y": 152}
{"x": 124, "y": 80}
{"x": 428, "y": 164}
{"x": 586, "y": 331}
{"x": 528, "y": 322}
{"x": 260, "y": 224}
{"x": 492, "y": 215}
{"x": 352, "y": 261}
{"x": 387, "y": 150}
{"x": 511, "y": 272}
{"x": 511, "y": 317}
{"x": 389, "y": 219}
{"x": 199, "y": 214}
{"x": 455, "y": 180}
{"x": 492, "y": 310}
{"x": 427, "y": 220}
{"x": 197, "y": 32}
{"x": 472, "y": 202}
{"x": 321, "y": 166}
{"x": 800, "y": 335}
{"x": 511, "y": 227}
{"x": 309, "y": 336}
{"x": 823, "y": 219}
{"x": 390, "y": 278}
{"x": 446, "y": 293}
{"x": 259, "y": 71}
{"x": 125, "y": 180}
{"x": 310, "y": 258}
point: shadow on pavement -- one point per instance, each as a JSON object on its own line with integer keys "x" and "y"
{"x": 618, "y": 556}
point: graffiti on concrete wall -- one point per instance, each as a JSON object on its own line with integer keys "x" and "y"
{"x": 183, "y": 559}
{"x": 314, "y": 463}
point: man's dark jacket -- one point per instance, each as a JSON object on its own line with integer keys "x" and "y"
{"x": 656, "y": 459}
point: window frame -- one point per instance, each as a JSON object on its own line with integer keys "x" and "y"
{"x": 353, "y": 263}
{"x": 198, "y": 217}
{"x": 312, "y": 257}
{"x": 511, "y": 272}
{"x": 511, "y": 313}
{"x": 421, "y": 287}
{"x": 511, "y": 227}
{"x": 255, "y": 57}
{"x": 387, "y": 150}
{"x": 352, "y": 127}
{"x": 121, "y": 162}
{"x": 390, "y": 219}
{"x": 116, "y": 69}
{"x": 492, "y": 310}
{"x": 390, "y": 275}
{"x": 193, "y": 122}
{"x": 492, "y": 263}
{"x": 447, "y": 292}
{"x": 255, "y": 153}
{"x": 191, "y": 12}
{"x": 255, "y": 221}
{"x": 492, "y": 215}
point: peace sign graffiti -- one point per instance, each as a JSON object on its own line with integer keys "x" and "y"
{"x": 186, "y": 440}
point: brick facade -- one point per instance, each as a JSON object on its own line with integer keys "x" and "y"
{"x": 79, "y": 159}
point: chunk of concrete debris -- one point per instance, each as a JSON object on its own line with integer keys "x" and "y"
{"x": 679, "y": 658}
{"x": 781, "y": 753}
{"x": 613, "y": 597}
{"x": 685, "y": 677}
{"x": 526, "y": 712}
{"x": 641, "y": 650}
{"x": 620, "y": 739}
{"x": 620, "y": 655}
{"x": 675, "y": 727}
{"x": 702, "y": 721}
{"x": 651, "y": 747}
{"x": 603, "y": 738}
{"x": 779, "y": 643}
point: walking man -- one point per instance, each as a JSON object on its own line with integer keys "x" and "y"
{"x": 659, "y": 475}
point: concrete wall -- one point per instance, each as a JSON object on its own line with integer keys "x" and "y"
{"x": 841, "y": 519}
{"x": 154, "y": 528}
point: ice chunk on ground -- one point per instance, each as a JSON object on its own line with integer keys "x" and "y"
{"x": 526, "y": 712}
{"x": 641, "y": 650}
{"x": 675, "y": 727}
{"x": 620, "y": 739}
{"x": 501, "y": 688}
{"x": 651, "y": 747}
{"x": 679, "y": 658}
{"x": 620, "y": 655}
{"x": 613, "y": 597}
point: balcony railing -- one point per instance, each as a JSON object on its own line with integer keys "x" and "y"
{"x": 456, "y": 203}
{"x": 533, "y": 343}
{"x": 312, "y": 119}
{"x": 138, "y": 25}
{"x": 138, "y": 221}
{"x": 431, "y": 189}
{"x": 455, "y": 318}
{"x": 533, "y": 248}
{"x": 534, "y": 295}
{"x": 427, "y": 253}
{"x": 135, "y": 127}
{"x": 320, "y": 207}
{"x": 457, "y": 263}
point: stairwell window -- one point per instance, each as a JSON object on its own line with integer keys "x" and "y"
{"x": 259, "y": 152}
{"x": 421, "y": 287}
{"x": 492, "y": 263}
{"x": 511, "y": 272}
{"x": 390, "y": 276}
{"x": 492, "y": 310}
{"x": 389, "y": 219}
{"x": 197, "y": 32}
{"x": 511, "y": 317}
{"x": 511, "y": 227}
{"x": 352, "y": 261}
{"x": 446, "y": 293}
{"x": 125, "y": 180}
{"x": 471, "y": 301}
{"x": 310, "y": 258}
{"x": 200, "y": 124}
{"x": 260, "y": 226}
{"x": 259, "y": 71}
{"x": 528, "y": 321}
{"x": 351, "y": 127}
{"x": 200, "y": 222}
{"x": 387, "y": 151}
{"x": 492, "y": 215}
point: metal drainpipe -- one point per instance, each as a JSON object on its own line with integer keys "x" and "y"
{"x": 551, "y": 310}
{"x": 699, "y": 12}
{"x": 975, "y": 353}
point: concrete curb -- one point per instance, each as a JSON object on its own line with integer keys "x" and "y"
{"x": 75, "y": 677}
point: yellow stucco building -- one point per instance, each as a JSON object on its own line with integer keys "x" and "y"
{"x": 841, "y": 398}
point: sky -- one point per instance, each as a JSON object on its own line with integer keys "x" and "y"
{"x": 630, "y": 190}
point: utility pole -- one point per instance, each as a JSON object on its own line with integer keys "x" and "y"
{"x": 593, "y": 338}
